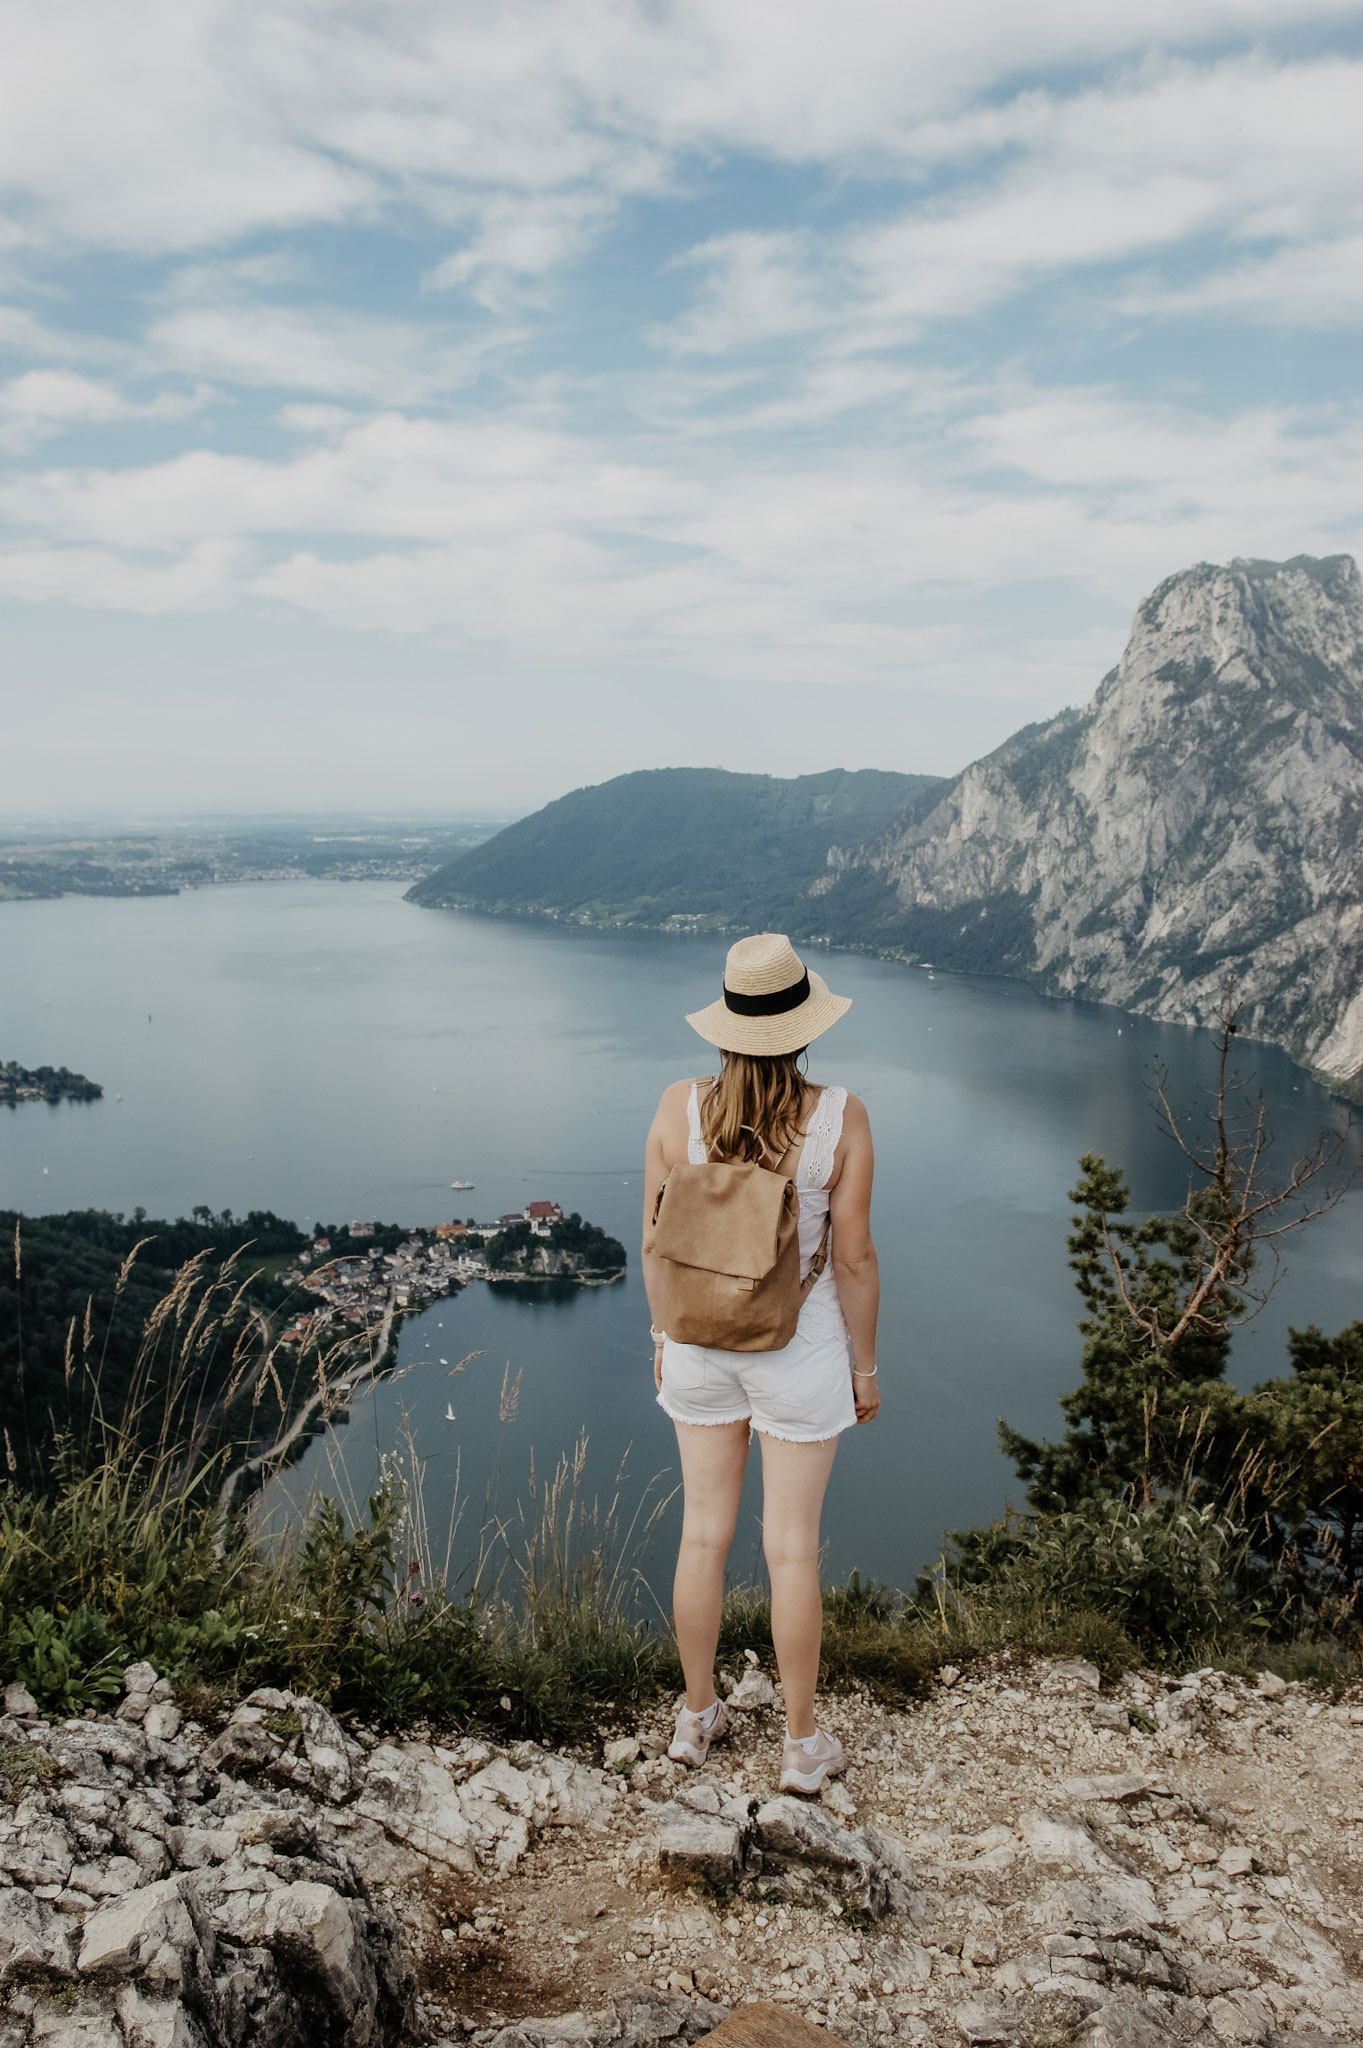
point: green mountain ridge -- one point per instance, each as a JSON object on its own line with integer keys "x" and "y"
{"x": 685, "y": 847}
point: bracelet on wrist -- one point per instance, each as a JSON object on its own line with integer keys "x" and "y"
{"x": 658, "y": 1336}
{"x": 864, "y": 1372}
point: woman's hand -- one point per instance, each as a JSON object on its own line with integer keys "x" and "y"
{"x": 866, "y": 1396}
{"x": 658, "y": 1367}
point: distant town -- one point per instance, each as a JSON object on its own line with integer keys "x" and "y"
{"x": 162, "y": 863}
{"x": 45, "y": 1084}
{"x": 351, "y": 1280}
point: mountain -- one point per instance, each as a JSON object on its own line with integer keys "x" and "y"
{"x": 1202, "y": 817}
{"x": 679, "y": 846}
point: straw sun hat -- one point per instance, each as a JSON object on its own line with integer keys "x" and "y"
{"x": 771, "y": 1002}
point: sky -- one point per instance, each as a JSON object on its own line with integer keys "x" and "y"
{"x": 436, "y": 406}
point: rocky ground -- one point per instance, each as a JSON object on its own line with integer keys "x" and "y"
{"x": 1023, "y": 1858}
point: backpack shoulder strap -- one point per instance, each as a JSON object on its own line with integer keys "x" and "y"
{"x": 819, "y": 1260}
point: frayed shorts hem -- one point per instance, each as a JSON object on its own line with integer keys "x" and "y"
{"x": 702, "y": 1421}
{"x": 784, "y": 1436}
{"x": 781, "y": 1436}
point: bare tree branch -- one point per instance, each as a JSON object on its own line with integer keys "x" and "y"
{"x": 1234, "y": 1213}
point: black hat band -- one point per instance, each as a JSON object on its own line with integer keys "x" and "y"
{"x": 773, "y": 1005}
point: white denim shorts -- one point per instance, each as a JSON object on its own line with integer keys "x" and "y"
{"x": 802, "y": 1393}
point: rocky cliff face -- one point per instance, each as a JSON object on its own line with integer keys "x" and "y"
{"x": 1202, "y": 817}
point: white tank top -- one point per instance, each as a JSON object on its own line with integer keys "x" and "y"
{"x": 822, "y": 1311}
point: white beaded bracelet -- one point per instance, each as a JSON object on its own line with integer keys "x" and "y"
{"x": 860, "y": 1372}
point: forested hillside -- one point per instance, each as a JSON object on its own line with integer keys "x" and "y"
{"x": 74, "y": 1308}
{"x": 678, "y": 845}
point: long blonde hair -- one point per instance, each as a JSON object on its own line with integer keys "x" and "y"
{"x": 755, "y": 1109}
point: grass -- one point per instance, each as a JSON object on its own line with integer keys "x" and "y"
{"x": 26, "y": 1763}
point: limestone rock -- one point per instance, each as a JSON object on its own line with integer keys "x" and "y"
{"x": 1120, "y": 1787}
{"x": 790, "y": 1832}
{"x": 699, "y": 1846}
{"x": 328, "y": 1765}
{"x": 34, "y": 1938}
{"x": 981, "y": 2022}
{"x": 152, "y": 1933}
{"x": 754, "y": 1689}
{"x": 1201, "y": 809}
{"x": 162, "y": 1720}
{"x": 19, "y": 1701}
{"x": 417, "y": 1800}
{"x": 1123, "y": 2024}
{"x": 1080, "y": 1671}
{"x": 565, "y": 1793}
{"x": 1057, "y": 1837}
{"x": 1113, "y": 1908}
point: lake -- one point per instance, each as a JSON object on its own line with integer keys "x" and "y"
{"x": 328, "y": 1051}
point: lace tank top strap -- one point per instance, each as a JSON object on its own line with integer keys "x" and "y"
{"x": 821, "y": 1141}
{"x": 696, "y": 1150}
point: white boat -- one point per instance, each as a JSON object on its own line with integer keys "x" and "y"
{"x": 450, "y": 1415}
{"x": 461, "y": 1183}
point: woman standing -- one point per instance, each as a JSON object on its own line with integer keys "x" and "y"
{"x": 799, "y": 1399}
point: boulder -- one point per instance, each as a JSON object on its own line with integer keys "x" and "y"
{"x": 328, "y": 1763}
{"x": 314, "y": 1933}
{"x": 156, "y": 2022}
{"x": 1054, "y": 1836}
{"x": 789, "y": 1832}
{"x": 1114, "y": 1909}
{"x": 981, "y": 2021}
{"x": 87, "y": 2024}
{"x": 1124, "y": 2024}
{"x": 699, "y": 1846}
{"x": 34, "y": 1937}
{"x": 156, "y": 1934}
{"x": 161, "y": 1722}
{"x": 566, "y": 1794}
{"x": 754, "y": 1689}
{"x": 1075, "y": 1670}
{"x": 417, "y": 1801}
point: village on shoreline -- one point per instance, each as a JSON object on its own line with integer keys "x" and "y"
{"x": 358, "y": 1277}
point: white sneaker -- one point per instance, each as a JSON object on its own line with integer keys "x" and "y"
{"x": 807, "y": 1771}
{"x": 691, "y": 1743}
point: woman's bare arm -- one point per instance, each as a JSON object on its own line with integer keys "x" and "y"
{"x": 855, "y": 1266}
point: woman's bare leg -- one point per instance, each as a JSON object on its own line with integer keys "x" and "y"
{"x": 793, "y": 1480}
{"x": 713, "y": 1456}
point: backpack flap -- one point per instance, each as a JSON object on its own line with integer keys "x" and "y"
{"x": 725, "y": 1217}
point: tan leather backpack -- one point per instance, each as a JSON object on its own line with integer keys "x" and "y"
{"x": 727, "y": 1236}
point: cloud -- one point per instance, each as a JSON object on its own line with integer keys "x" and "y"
{"x": 46, "y": 402}
{"x": 515, "y": 538}
{"x": 518, "y": 240}
{"x": 761, "y": 344}
{"x": 1317, "y": 285}
{"x": 316, "y": 349}
{"x": 757, "y": 288}
{"x": 1054, "y": 186}
{"x": 186, "y": 124}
